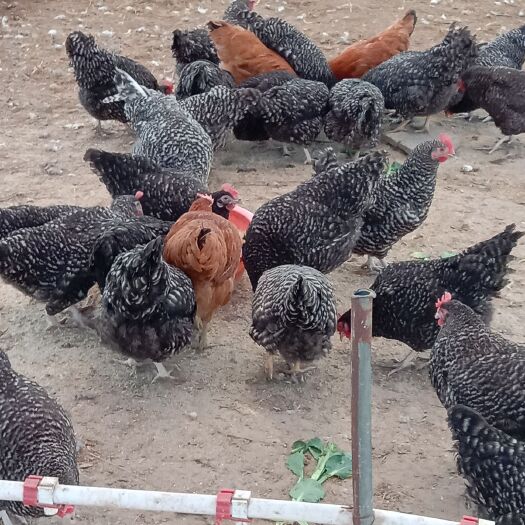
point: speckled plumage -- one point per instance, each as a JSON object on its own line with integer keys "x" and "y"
{"x": 219, "y": 110}
{"x": 95, "y": 71}
{"x": 191, "y": 45}
{"x": 166, "y": 133}
{"x": 167, "y": 193}
{"x": 317, "y": 223}
{"x": 424, "y": 82}
{"x": 407, "y": 291}
{"x": 305, "y": 57}
{"x": 15, "y": 218}
{"x": 402, "y": 202}
{"x": 49, "y": 261}
{"x": 492, "y": 463}
{"x": 121, "y": 237}
{"x": 148, "y": 306}
{"x": 294, "y": 313}
{"x": 200, "y": 77}
{"x": 355, "y": 114}
{"x": 36, "y": 435}
{"x": 499, "y": 91}
{"x": 473, "y": 366}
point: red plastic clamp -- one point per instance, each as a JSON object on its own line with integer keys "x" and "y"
{"x": 468, "y": 520}
{"x": 223, "y": 507}
{"x": 30, "y": 497}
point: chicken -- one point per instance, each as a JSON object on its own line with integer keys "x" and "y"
{"x": 473, "y": 366}
{"x": 207, "y": 248}
{"x": 242, "y": 54}
{"x": 499, "y": 91}
{"x": 299, "y": 51}
{"x": 293, "y": 314}
{"x": 37, "y": 436}
{"x": 361, "y": 56}
{"x": 423, "y": 82}
{"x": 166, "y": 133}
{"x": 200, "y": 77}
{"x": 15, "y": 218}
{"x": 166, "y": 193}
{"x": 355, "y": 114}
{"x": 492, "y": 463}
{"x": 507, "y": 50}
{"x": 289, "y": 110}
{"x": 120, "y": 237}
{"x": 406, "y": 291}
{"x": 316, "y": 224}
{"x": 94, "y": 69}
{"x": 49, "y": 262}
{"x": 148, "y": 306}
{"x": 219, "y": 110}
{"x": 402, "y": 201}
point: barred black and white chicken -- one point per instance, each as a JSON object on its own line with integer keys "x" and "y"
{"x": 402, "y": 201}
{"x": 148, "y": 306}
{"x": 406, "y": 291}
{"x": 424, "y": 82}
{"x": 166, "y": 133}
{"x": 37, "y": 436}
{"x": 316, "y": 224}
{"x": 95, "y": 68}
{"x": 493, "y": 465}
{"x": 355, "y": 114}
{"x": 473, "y": 366}
{"x": 200, "y": 77}
{"x": 294, "y": 315}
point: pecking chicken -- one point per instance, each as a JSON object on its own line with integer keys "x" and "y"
{"x": 219, "y": 110}
{"x": 316, "y": 224}
{"x": 166, "y": 133}
{"x": 207, "y": 247}
{"x": 36, "y": 434}
{"x": 507, "y": 50}
{"x": 363, "y": 55}
{"x": 293, "y": 314}
{"x": 499, "y": 91}
{"x": 299, "y": 51}
{"x": 49, "y": 262}
{"x": 94, "y": 69}
{"x": 242, "y": 54}
{"x": 423, "y": 82}
{"x": 406, "y": 291}
{"x": 166, "y": 193}
{"x": 15, "y": 218}
{"x": 200, "y": 77}
{"x": 402, "y": 201}
{"x": 492, "y": 463}
{"x": 355, "y": 114}
{"x": 148, "y": 306}
{"x": 473, "y": 366}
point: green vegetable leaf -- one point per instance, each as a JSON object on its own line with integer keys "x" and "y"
{"x": 329, "y": 450}
{"x": 420, "y": 255}
{"x": 338, "y": 465}
{"x": 296, "y": 463}
{"x": 316, "y": 447}
{"x": 299, "y": 446}
{"x": 447, "y": 254}
{"x": 307, "y": 489}
{"x": 393, "y": 168}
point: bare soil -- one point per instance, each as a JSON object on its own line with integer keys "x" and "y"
{"x": 221, "y": 424}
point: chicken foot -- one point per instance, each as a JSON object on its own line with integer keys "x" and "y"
{"x": 162, "y": 373}
{"x": 200, "y": 336}
{"x": 407, "y": 361}
{"x": 502, "y": 140}
{"x": 268, "y": 367}
{"x": 297, "y": 373}
{"x": 425, "y": 128}
{"x": 374, "y": 264}
{"x": 308, "y": 157}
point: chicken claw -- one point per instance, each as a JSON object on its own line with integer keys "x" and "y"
{"x": 501, "y": 141}
{"x": 162, "y": 373}
{"x": 374, "y": 264}
{"x": 298, "y": 374}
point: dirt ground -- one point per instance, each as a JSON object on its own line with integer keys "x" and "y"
{"x": 221, "y": 424}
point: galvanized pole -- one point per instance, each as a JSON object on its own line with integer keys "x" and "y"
{"x": 363, "y": 511}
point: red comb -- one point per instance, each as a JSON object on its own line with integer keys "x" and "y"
{"x": 445, "y": 298}
{"x": 230, "y": 189}
{"x": 447, "y": 142}
{"x": 139, "y": 195}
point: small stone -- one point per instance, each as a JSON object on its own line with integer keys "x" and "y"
{"x": 192, "y": 415}
{"x": 202, "y": 10}
{"x": 107, "y": 33}
{"x": 60, "y": 17}
{"x": 467, "y": 168}
{"x": 52, "y": 32}
{"x": 140, "y": 29}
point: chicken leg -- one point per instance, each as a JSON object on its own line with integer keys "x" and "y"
{"x": 268, "y": 367}
{"x": 4, "y": 518}
{"x": 425, "y": 128}
{"x": 501, "y": 141}
{"x": 200, "y": 335}
{"x": 374, "y": 264}
{"x": 162, "y": 373}
{"x": 297, "y": 373}
{"x": 308, "y": 157}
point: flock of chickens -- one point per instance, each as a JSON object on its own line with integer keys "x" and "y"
{"x": 167, "y": 253}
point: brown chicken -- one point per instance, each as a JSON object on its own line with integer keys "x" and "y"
{"x": 242, "y": 54}
{"x": 207, "y": 248}
{"x": 365, "y": 54}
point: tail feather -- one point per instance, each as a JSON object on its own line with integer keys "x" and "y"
{"x": 127, "y": 88}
